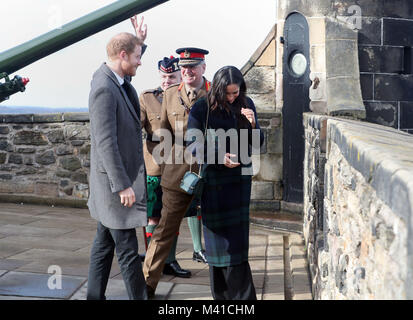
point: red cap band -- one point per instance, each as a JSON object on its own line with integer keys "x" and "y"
{"x": 188, "y": 55}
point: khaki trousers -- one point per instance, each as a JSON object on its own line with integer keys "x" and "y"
{"x": 174, "y": 206}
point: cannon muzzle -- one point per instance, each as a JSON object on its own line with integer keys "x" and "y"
{"x": 21, "y": 56}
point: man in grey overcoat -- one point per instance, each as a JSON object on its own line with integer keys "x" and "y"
{"x": 117, "y": 170}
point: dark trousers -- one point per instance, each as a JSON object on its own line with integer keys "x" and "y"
{"x": 126, "y": 245}
{"x": 232, "y": 283}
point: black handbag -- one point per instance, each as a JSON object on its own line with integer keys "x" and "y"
{"x": 192, "y": 183}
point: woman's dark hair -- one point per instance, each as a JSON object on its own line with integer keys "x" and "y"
{"x": 218, "y": 95}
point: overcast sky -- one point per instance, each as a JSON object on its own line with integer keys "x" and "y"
{"x": 230, "y": 29}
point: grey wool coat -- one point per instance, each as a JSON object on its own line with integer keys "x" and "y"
{"x": 116, "y": 153}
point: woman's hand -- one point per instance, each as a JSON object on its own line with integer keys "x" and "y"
{"x": 249, "y": 114}
{"x": 228, "y": 162}
{"x": 140, "y": 31}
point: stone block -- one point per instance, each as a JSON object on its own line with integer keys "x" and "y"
{"x": 267, "y": 167}
{"x": 4, "y": 144}
{"x": 16, "y": 187}
{"x": 46, "y": 158}
{"x": 26, "y": 171}
{"x": 81, "y": 191}
{"x": 4, "y": 130}
{"x": 63, "y": 150}
{"x": 383, "y": 59}
{"x": 318, "y": 58}
{"x": 28, "y": 160}
{"x": 318, "y": 93}
{"x": 398, "y": 32}
{"x": 30, "y": 138}
{"x": 77, "y": 143}
{"x": 319, "y": 107}
{"x": 406, "y": 115}
{"x": 52, "y": 117}
{"x": 76, "y": 116}
{"x": 262, "y": 190}
{"x": 393, "y": 87}
{"x": 341, "y": 58}
{"x": 18, "y": 118}
{"x": 384, "y": 113}
{"x": 260, "y": 80}
{"x": 268, "y": 56}
{"x": 76, "y": 132}
{"x": 49, "y": 189}
{"x": 263, "y": 102}
{"x": 26, "y": 150}
{"x": 370, "y": 32}
{"x": 275, "y": 141}
{"x": 344, "y": 97}
{"x": 317, "y": 30}
{"x": 15, "y": 158}
{"x": 56, "y": 136}
{"x": 70, "y": 163}
{"x": 6, "y": 176}
{"x": 63, "y": 174}
{"x": 367, "y": 85}
{"x": 3, "y": 157}
{"x": 79, "y": 177}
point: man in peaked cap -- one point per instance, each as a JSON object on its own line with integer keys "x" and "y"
{"x": 151, "y": 105}
{"x": 177, "y": 102}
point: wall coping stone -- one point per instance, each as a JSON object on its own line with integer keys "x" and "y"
{"x": 45, "y": 117}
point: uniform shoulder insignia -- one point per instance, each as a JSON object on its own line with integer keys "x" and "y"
{"x": 149, "y": 91}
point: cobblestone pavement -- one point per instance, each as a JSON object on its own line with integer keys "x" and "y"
{"x": 38, "y": 242}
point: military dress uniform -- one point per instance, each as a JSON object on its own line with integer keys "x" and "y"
{"x": 151, "y": 106}
{"x": 177, "y": 103}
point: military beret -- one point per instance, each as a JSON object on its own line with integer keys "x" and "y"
{"x": 168, "y": 65}
{"x": 191, "y": 56}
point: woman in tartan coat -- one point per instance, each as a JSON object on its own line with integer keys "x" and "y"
{"x": 226, "y": 195}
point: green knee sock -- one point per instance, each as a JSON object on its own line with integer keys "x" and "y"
{"x": 194, "y": 225}
{"x": 150, "y": 228}
{"x": 172, "y": 252}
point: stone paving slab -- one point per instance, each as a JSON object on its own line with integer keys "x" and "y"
{"x": 30, "y": 242}
{"x": 36, "y": 285}
{"x": 13, "y": 218}
{"x": 190, "y": 292}
{"x": 64, "y": 236}
{"x": 11, "y": 264}
{"x": 299, "y": 268}
{"x": 11, "y": 249}
{"x": 116, "y": 291}
{"x": 12, "y": 229}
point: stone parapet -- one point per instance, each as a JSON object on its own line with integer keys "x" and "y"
{"x": 45, "y": 158}
{"x": 358, "y": 209}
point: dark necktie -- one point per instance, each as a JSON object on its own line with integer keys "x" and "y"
{"x": 131, "y": 97}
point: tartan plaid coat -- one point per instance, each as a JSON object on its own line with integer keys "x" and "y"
{"x": 226, "y": 195}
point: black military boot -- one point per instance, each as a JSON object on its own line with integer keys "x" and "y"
{"x": 199, "y": 256}
{"x": 174, "y": 269}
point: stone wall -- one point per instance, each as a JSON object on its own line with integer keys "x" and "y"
{"x": 383, "y": 46}
{"x": 259, "y": 74}
{"x": 44, "y": 158}
{"x": 358, "y": 209}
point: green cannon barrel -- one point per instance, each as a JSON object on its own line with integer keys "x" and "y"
{"x": 70, "y": 33}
